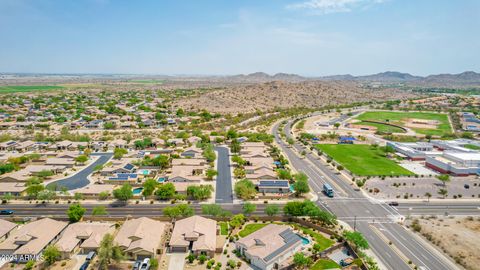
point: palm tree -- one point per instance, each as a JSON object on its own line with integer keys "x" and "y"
{"x": 428, "y": 195}
{"x": 443, "y": 192}
{"x": 108, "y": 252}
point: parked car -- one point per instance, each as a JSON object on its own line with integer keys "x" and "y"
{"x": 393, "y": 203}
{"x": 467, "y": 186}
{"x": 6, "y": 212}
{"x": 90, "y": 256}
{"x": 84, "y": 265}
{"x": 145, "y": 264}
{"x": 136, "y": 265}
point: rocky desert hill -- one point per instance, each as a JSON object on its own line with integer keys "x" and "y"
{"x": 265, "y": 96}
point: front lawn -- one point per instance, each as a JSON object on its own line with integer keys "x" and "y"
{"x": 251, "y": 228}
{"x": 325, "y": 264}
{"x": 223, "y": 228}
{"x": 363, "y": 160}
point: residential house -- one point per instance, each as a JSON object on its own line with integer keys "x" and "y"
{"x": 67, "y": 162}
{"x": 186, "y": 174}
{"x": 270, "y": 246}
{"x": 5, "y": 228}
{"x": 141, "y": 238}
{"x": 194, "y": 234}
{"x": 83, "y": 236}
{"x": 192, "y": 152}
{"x": 118, "y": 168}
{"x": 273, "y": 186}
{"x": 13, "y": 188}
{"x": 32, "y": 238}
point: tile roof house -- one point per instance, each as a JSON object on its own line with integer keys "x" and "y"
{"x": 192, "y": 152}
{"x": 5, "y": 228}
{"x": 85, "y": 236}
{"x": 270, "y": 246}
{"x": 186, "y": 174}
{"x": 33, "y": 237}
{"x": 13, "y": 188}
{"x": 141, "y": 237}
{"x": 196, "y": 234}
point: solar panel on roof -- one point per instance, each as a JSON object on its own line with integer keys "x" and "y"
{"x": 273, "y": 183}
{"x": 128, "y": 167}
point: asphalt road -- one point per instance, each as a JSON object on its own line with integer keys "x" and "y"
{"x": 223, "y": 192}
{"x": 374, "y": 219}
{"x": 80, "y": 179}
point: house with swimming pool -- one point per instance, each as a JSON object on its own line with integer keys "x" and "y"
{"x": 268, "y": 247}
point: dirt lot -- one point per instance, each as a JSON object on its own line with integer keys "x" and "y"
{"x": 457, "y": 237}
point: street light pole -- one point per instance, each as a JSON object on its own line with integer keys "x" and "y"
{"x": 354, "y": 223}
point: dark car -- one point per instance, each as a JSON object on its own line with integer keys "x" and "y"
{"x": 136, "y": 265}
{"x": 467, "y": 186}
{"x": 84, "y": 266}
{"x": 6, "y": 212}
{"x": 90, "y": 256}
{"x": 393, "y": 203}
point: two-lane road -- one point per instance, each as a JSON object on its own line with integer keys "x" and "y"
{"x": 223, "y": 190}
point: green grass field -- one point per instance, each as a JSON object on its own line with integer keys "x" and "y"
{"x": 223, "y": 228}
{"x": 28, "y": 88}
{"x": 363, "y": 160}
{"x": 398, "y": 118}
{"x": 382, "y": 127}
{"x": 472, "y": 146}
{"x": 325, "y": 264}
{"x": 251, "y": 228}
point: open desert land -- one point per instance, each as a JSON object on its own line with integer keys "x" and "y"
{"x": 457, "y": 237}
{"x": 279, "y": 94}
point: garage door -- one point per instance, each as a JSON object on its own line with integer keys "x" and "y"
{"x": 178, "y": 249}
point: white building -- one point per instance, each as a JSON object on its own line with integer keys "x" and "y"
{"x": 456, "y": 163}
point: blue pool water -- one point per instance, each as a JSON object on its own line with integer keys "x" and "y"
{"x": 291, "y": 189}
{"x": 137, "y": 191}
{"x": 161, "y": 180}
{"x": 305, "y": 241}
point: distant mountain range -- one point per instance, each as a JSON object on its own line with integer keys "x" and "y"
{"x": 464, "y": 78}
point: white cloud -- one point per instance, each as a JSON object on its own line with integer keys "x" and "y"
{"x": 332, "y": 6}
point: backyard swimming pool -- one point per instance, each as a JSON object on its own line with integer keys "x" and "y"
{"x": 137, "y": 191}
{"x": 305, "y": 241}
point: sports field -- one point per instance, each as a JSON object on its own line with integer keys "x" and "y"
{"x": 363, "y": 160}
{"x": 28, "y": 88}
{"x": 382, "y": 127}
{"x": 402, "y": 119}
{"x": 147, "y": 81}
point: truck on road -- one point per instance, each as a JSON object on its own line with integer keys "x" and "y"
{"x": 328, "y": 190}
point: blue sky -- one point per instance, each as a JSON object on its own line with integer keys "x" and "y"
{"x": 307, "y": 37}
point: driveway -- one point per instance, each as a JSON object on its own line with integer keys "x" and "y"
{"x": 223, "y": 192}
{"x": 80, "y": 179}
{"x": 176, "y": 261}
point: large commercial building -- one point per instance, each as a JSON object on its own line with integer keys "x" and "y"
{"x": 413, "y": 151}
{"x": 456, "y": 163}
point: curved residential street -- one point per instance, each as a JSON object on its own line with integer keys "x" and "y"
{"x": 80, "y": 179}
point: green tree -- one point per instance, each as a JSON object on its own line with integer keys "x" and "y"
{"x": 212, "y": 210}
{"x": 108, "y": 252}
{"x": 272, "y": 210}
{"x": 239, "y": 173}
{"x": 149, "y": 187}
{"x": 180, "y": 210}
{"x": 235, "y": 146}
{"x": 33, "y": 190}
{"x": 357, "y": 239}
{"x": 428, "y": 195}
{"x": 118, "y": 153}
{"x": 124, "y": 193}
{"x": 443, "y": 192}
{"x": 153, "y": 263}
{"x": 445, "y": 178}
{"x": 45, "y": 174}
{"x": 301, "y": 184}
{"x": 7, "y": 197}
{"x": 245, "y": 189}
{"x": 237, "y": 221}
{"x": 46, "y": 195}
{"x": 301, "y": 261}
{"x": 78, "y": 196}
{"x": 99, "y": 211}
{"x": 248, "y": 208}
{"x": 81, "y": 159}
{"x": 201, "y": 192}
{"x": 51, "y": 254}
{"x": 284, "y": 174}
{"x": 211, "y": 173}
{"x": 75, "y": 212}
{"x": 165, "y": 191}
{"x": 103, "y": 195}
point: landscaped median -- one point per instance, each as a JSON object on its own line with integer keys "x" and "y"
{"x": 363, "y": 159}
